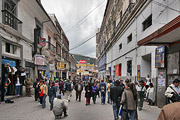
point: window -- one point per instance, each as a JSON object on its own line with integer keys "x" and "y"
{"x": 11, "y": 48}
{"x": 129, "y": 67}
{"x": 129, "y": 38}
{"x": 147, "y": 23}
{"x": 114, "y": 27}
{"x": 9, "y": 13}
{"x": 120, "y": 46}
{"x": 49, "y": 42}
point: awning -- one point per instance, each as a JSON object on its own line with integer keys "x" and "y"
{"x": 168, "y": 34}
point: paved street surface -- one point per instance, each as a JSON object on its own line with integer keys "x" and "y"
{"x": 27, "y": 109}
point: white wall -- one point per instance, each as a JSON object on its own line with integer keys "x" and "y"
{"x": 160, "y": 16}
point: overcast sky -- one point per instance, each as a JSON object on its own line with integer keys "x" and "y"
{"x": 70, "y": 12}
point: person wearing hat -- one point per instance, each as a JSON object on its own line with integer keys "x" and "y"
{"x": 173, "y": 91}
{"x": 102, "y": 87}
{"x": 59, "y": 107}
{"x": 141, "y": 89}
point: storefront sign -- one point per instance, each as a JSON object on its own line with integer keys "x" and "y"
{"x": 160, "y": 57}
{"x": 11, "y": 63}
{"x": 138, "y": 72}
{"x": 52, "y": 67}
{"x": 82, "y": 61}
{"x": 88, "y": 65}
{"x": 39, "y": 60}
{"x": 60, "y": 65}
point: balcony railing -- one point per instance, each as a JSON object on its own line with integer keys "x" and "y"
{"x": 10, "y": 19}
{"x": 125, "y": 15}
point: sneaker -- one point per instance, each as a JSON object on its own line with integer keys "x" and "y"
{"x": 65, "y": 115}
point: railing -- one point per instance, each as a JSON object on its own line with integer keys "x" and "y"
{"x": 52, "y": 48}
{"x": 10, "y": 19}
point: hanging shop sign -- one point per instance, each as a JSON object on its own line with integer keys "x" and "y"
{"x": 60, "y": 65}
{"x": 39, "y": 60}
{"x": 138, "y": 72}
{"x": 52, "y": 67}
{"x": 160, "y": 57}
{"x": 11, "y": 63}
{"x": 42, "y": 41}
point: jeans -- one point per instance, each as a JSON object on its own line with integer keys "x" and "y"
{"x": 94, "y": 98}
{"x": 18, "y": 88}
{"x": 5, "y": 91}
{"x": 6, "y": 78}
{"x": 44, "y": 101}
{"x": 103, "y": 97}
{"x": 132, "y": 114}
{"x": 140, "y": 103}
{"x": 116, "y": 107}
{"x": 51, "y": 99}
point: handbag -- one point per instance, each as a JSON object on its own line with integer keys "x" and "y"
{"x": 41, "y": 94}
{"x": 125, "y": 115}
{"x": 175, "y": 97}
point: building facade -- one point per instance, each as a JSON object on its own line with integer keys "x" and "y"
{"x": 126, "y": 23}
{"x": 28, "y": 41}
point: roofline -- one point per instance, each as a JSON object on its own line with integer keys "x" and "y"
{"x": 46, "y": 14}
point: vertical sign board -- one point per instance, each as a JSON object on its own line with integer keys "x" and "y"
{"x": 138, "y": 72}
{"x": 118, "y": 70}
{"x": 160, "y": 57}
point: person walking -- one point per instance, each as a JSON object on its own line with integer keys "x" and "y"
{"x": 102, "y": 87}
{"x": 141, "y": 89}
{"x": 79, "y": 89}
{"x": 43, "y": 94}
{"x": 97, "y": 84}
{"x": 129, "y": 100}
{"x": 88, "y": 90}
{"x": 115, "y": 96}
{"x": 173, "y": 91}
{"x": 51, "y": 94}
{"x": 94, "y": 93}
{"x": 56, "y": 85}
{"x": 67, "y": 90}
{"x": 61, "y": 87}
{"x": 109, "y": 85}
{"x": 28, "y": 87}
{"x": 18, "y": 86}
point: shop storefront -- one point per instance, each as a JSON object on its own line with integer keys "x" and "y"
{"x": 102, "y": 68}
{"x": 167, "y": 56}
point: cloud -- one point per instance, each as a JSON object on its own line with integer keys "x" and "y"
{"x": 70, "y": 12}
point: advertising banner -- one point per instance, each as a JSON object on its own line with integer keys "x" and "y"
{"x": 160, "y": 57}
{"x": 138, "y": 72}
{"x": 82, "y": 61}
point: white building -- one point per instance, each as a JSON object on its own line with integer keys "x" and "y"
{"x": 126, "y": 23}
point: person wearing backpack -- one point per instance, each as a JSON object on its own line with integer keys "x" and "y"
{"x": 141, "y": 89}
{"x": 102, "y": 87}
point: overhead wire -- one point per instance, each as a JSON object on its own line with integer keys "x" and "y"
{"x": 84, "y": 18}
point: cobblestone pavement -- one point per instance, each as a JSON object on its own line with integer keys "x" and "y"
{"x": 26, "y": 108}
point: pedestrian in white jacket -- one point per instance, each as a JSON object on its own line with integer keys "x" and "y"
{"x": 173, "y": 91}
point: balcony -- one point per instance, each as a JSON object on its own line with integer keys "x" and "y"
{"x": 10, "y": 19}
{"x": 125, "y": 15}
{"x": 52, "y": 48}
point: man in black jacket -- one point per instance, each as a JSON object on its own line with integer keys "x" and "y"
{"x": 79, "y": 89}
{"x": 115, "y": 96}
